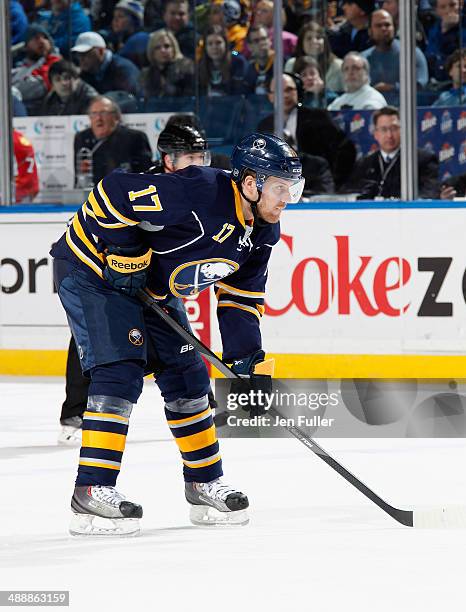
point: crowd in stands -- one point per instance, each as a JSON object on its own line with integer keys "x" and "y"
{"x": 68, "y": 54}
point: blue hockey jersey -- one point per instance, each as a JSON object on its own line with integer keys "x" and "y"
{"x": 193, "y": 222}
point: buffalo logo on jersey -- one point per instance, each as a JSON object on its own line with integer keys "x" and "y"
{"x": 192, "y": 277}
{"x": 135, "y": 337}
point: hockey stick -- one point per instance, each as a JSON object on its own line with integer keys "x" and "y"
{"x": 434, "y": 518}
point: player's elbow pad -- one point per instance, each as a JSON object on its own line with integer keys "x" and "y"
{"x": 126, "y": 268}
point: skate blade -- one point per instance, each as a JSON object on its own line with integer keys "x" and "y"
{"x": 206, "y": 516}
{"x": 97, "y": 526}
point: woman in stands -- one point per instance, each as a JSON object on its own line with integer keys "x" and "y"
{"x": 169, "y": 74}
{"x": 313, "y": 41}
{"x": 221, "y": 71}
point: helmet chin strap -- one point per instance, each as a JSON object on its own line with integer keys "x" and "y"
{"x": 255, "y": 212}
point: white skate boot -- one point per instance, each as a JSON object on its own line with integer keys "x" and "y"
{"x": 216, "y": 503}
{"x": 71, "y": 431}
{"x": 102, "y": 511}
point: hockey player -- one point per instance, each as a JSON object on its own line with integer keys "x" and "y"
{"x": 179, "y": 145}
{"x": 174, "y": 235}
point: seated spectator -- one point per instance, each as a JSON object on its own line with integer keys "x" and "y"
{"x": 69, "y": 94}
{"x": 125, "y": 35}
{"x": 259, "y": 73}
{"x": 176, "y": 19}
{"x": 453, "y": 187}
{"x": 378, "y": 174}
{"x": 445, "y": 36}
{"x": 392, "y": 7}
{"x": 359, "y": 94}
{"x": 263, "y": 15}
{"x": 315, "y": 94}
{"x": 384, "y": 56}
{"x": 169, "y": 73}
{"x": 65, "y": 21}
{"x": 26, "y": 176}
{"x": 312, "y": 131}
{"x": 231, "y": 15}
{"x": 101, "y": 13}
{"x": 30, "y": 76}
{"x": 108, "y": 145}
{"x": 313, "y": 42}
{"x": 19, "y": 22}
{"x": 102, "y": 69}
{"x": 221, "y": 71}
{"x": 353, "y": 34}
{"x": 455, "y": 66}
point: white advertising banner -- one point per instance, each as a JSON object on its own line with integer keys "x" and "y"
{"x": 340, "y": 282}
{"x": 53, "y": 138}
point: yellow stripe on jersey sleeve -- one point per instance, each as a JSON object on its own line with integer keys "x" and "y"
{"x": 112, "y": 209}
{"x": 77, "y": 251}
{"x": 98, "y": 212}
{"x": 230, "y": 304}
{"x": 82, "y": 236}
{"x": 235, "y": 291}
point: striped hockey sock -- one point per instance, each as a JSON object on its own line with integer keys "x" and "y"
{"x": 105, "y": 426}
{"x": 196, "y": 438}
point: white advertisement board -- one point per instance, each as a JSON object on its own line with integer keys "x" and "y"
{"x": 341, "y": 282}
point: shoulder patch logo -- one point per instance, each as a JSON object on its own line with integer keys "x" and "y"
{"x": 135, "y": 337}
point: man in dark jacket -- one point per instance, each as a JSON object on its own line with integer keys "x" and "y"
{"x": 107, "y": 145}
{"x": 101, "y": 68}
{"x": 378, "y": 175}
{"x": 69, "y": 94}
{"x": 353, "y": 34}
{"x": 312, "y": 131}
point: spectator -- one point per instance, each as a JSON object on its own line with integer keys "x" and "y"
{"x": 30, "y": 77}
{"x": 221, "y": 72}
{"x": 19, "y": 110}
{"x": 384, "y": 57}
{"x": 359, "y": 94}
{"x": 378, "y": 174}
{"x": 19, "y": 22}
{"x": 102, "y": 69}
{"x": 107, "y": 145}
{"x": 69, "y": 94}
{"x": 445, "y": 36}
{"x": 176, "y": 20}
{"x": 315, "y": 94}
{"x": 169, "y": 73}
{"x": 392, "y": 7}
{"x": 313, "y": 41}
{"x": 455, "y": 67}
{"x": 317, "y": 174}
{"x": 26, "y": 177}
{"x": 353, "y": 34}
{"x": 101, "y": 13}
{"x": 260, "y": 70}
{"x": 453, "y": 187}
{"x": 125, "y": 36}
{"x": 312, "y": 131}
{"x": 263, "y": 16}
{"x": 65, "y": 21}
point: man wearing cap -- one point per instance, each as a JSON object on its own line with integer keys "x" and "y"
{"x": 102, "y": 69}
{"x": 30, "y": 76}
{"x": 353, "y": 34}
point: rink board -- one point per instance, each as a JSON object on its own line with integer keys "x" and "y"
{"x": 352, "y": 291}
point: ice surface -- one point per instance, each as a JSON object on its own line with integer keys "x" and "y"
{"x": 313, "y": 542}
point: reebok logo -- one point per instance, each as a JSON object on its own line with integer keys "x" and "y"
{"x": 186, "y": 347}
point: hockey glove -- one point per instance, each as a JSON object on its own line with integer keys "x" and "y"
{"x": 256, "y": 374}
{"x": 126, "y": 269}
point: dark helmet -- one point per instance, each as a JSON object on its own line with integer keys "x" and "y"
{"x": 181, "y": 139}
{"x": 266, "y": 155}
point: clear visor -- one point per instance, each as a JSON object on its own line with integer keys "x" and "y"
{"x": 194, "y": 158}
{"x": 283, "y": 190}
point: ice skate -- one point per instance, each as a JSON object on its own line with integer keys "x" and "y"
{"x": 71, "y": 432}
{"x": 216, "y": 503}
{"x": 102, "y": 511}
